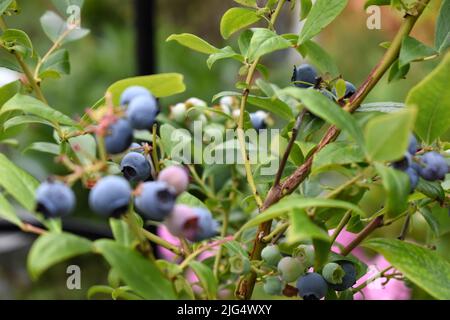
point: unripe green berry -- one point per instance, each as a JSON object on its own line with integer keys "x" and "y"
{"x": 333, "y": 273}
{"x": 178, "y": 112}
{"x": 305, "y": 254}
{"x": 239, "y": 265}
{"x": 273, "y": 286}
{"x": 290, "y": 269}
{"x": 271, "y": 255}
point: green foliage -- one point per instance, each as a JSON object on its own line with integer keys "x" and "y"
{"x": 423, "y": 267}
{"x": 236, "y": 19}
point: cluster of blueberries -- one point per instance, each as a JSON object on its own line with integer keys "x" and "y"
{"x": 431, "y": 166}
{"x": 338, "y": 275}
{"x": 306, "y": 76}
{"x": 112, "y": 195}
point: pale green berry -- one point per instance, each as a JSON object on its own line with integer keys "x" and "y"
{"x": 305, "y": 254}
{"x": 271, "y": 255}
{"x": 290, "y": 269}
{"x": 273, "y": 286}
{"x": 239, "y": 265}
{"x": 333, "y": 273}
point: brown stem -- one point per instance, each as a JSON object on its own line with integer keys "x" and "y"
{"x": 245, "y": 287}
{"x": 374, "y": 224}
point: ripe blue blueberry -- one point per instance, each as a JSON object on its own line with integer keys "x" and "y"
{"x": 54, "y": 199}
{"x": 176, "y": 176}
{"x": 119, "y": 137}
{"x": 435, "y": 166}
{"x": 206, "y": 225}
{"x": 132, "y": 92}
{"x": 135, "y": 167}
{"x": 413, "y": 177}
{"x": 258, "y": 119}
{"x": 304, "y": 76}
{"x": 110, "y": 196}
{"x": 290, "y": 269}
{"x": 273, "y": 286}
{"x": 404, "y": 163}
{"x": 271, "y": 255}
{"x": 142, "y": 112}
{"x": 349, "y": 279}
{"x": 155, "y": 201}
{"x": 312, "y": 286}
{"x": 413, "y": 145}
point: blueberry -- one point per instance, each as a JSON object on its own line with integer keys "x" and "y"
{"x": 312, "y": 286}
{"x": 176, "y": 176}
{"x": 155, "y": 201}
{"x": 119, "y": 137}
{"x": 350, "y": 90}
{"x": 273, "y": 286}
{"x": 258, "y": 120}
{"x": 271, "y": 255}
{"x": 110, "y": 196}
{"x": 178, "y": 112}
{"x": 142, "y": 112}
{"x": 182, "y": 222}
{"x": 290, "y": 269}
{"x": 304, "y": 76}
{"x": 240, "y": 265}
{"x": 333, "y": 273}
{"x": 54, "y": 199}
{"x": 132, "y": 92}
{"x": 403, "y": 164}
{"x": 206, "y": 225}
{"x": 136, "y": 147}
{"x": 349, "y": 278}
{"x": 305, "y": 254}
{"x": 435, "y": 166}
{"x": 413, "y": 177}
{"x": 135, "y": 167}
{"x": 413, "y": 145}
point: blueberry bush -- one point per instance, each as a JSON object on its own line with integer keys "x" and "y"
{"x": 232, "y": 229}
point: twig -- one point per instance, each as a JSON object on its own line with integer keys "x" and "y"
{"x": 374, "y": 224}
{"x": 405, "y": 228}
{"x": 345, "y": 219}
{"x": 161, "y": 242}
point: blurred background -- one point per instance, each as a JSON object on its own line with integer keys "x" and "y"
{"x": 115, "y": 49}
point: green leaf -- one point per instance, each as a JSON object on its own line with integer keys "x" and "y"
{"x": 275, "y": 106}
{"x": 321, "y": 15}
{"x": 244, "y": 41}
{"x": 236, "y": 19}
{"x": 303, "y": 229}
{"x": 160, "y": 85}
{"x": 396, "y": 185}
{"x": 387, "y": 136}
{"x": 4, "y": 4}
{"x": 7, "y": 212}
{"x": 432, "y": 99}
{"x": 425, "y": 268}
{"x": 17, "y": 41}
{"x": 206, "y": 277}
{"x": 432, "y": 189}
{"x": 320, "y": 58}
{"x": 57, "y": 29}
{"x": 337, "y": 153}
{"x": 324, "y": 108}
{"x": 265, "y": 41}
{"x": 398, "y": 73}
{"x": 138, "y": 273}
{"x": 224, "y": 53}
{"x": 52, "y": 248}
{"x": 385, "y": 107}
{"x": 294, "y": 202}
{"x": 56, "y": 64}
{"x": 193, "y": 42}
{"x": 437, "y": 218}
{"x": 46, "y": 147}
{"x": 305, "y": 8}
{"x": 20, "y": 120}
{"x": 376, "y": 3}
{"x": 34, "y": 106}
{"x": 190, "y": 200}
{"x": 413, "y": 50}
{"x": 8, "y": 91}
{"x": 121, "y": 232}
{"x": 442, "y": 37}
{"x": 18, "y": 183}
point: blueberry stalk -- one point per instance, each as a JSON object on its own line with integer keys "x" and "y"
{"x": 161, "y": 242}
